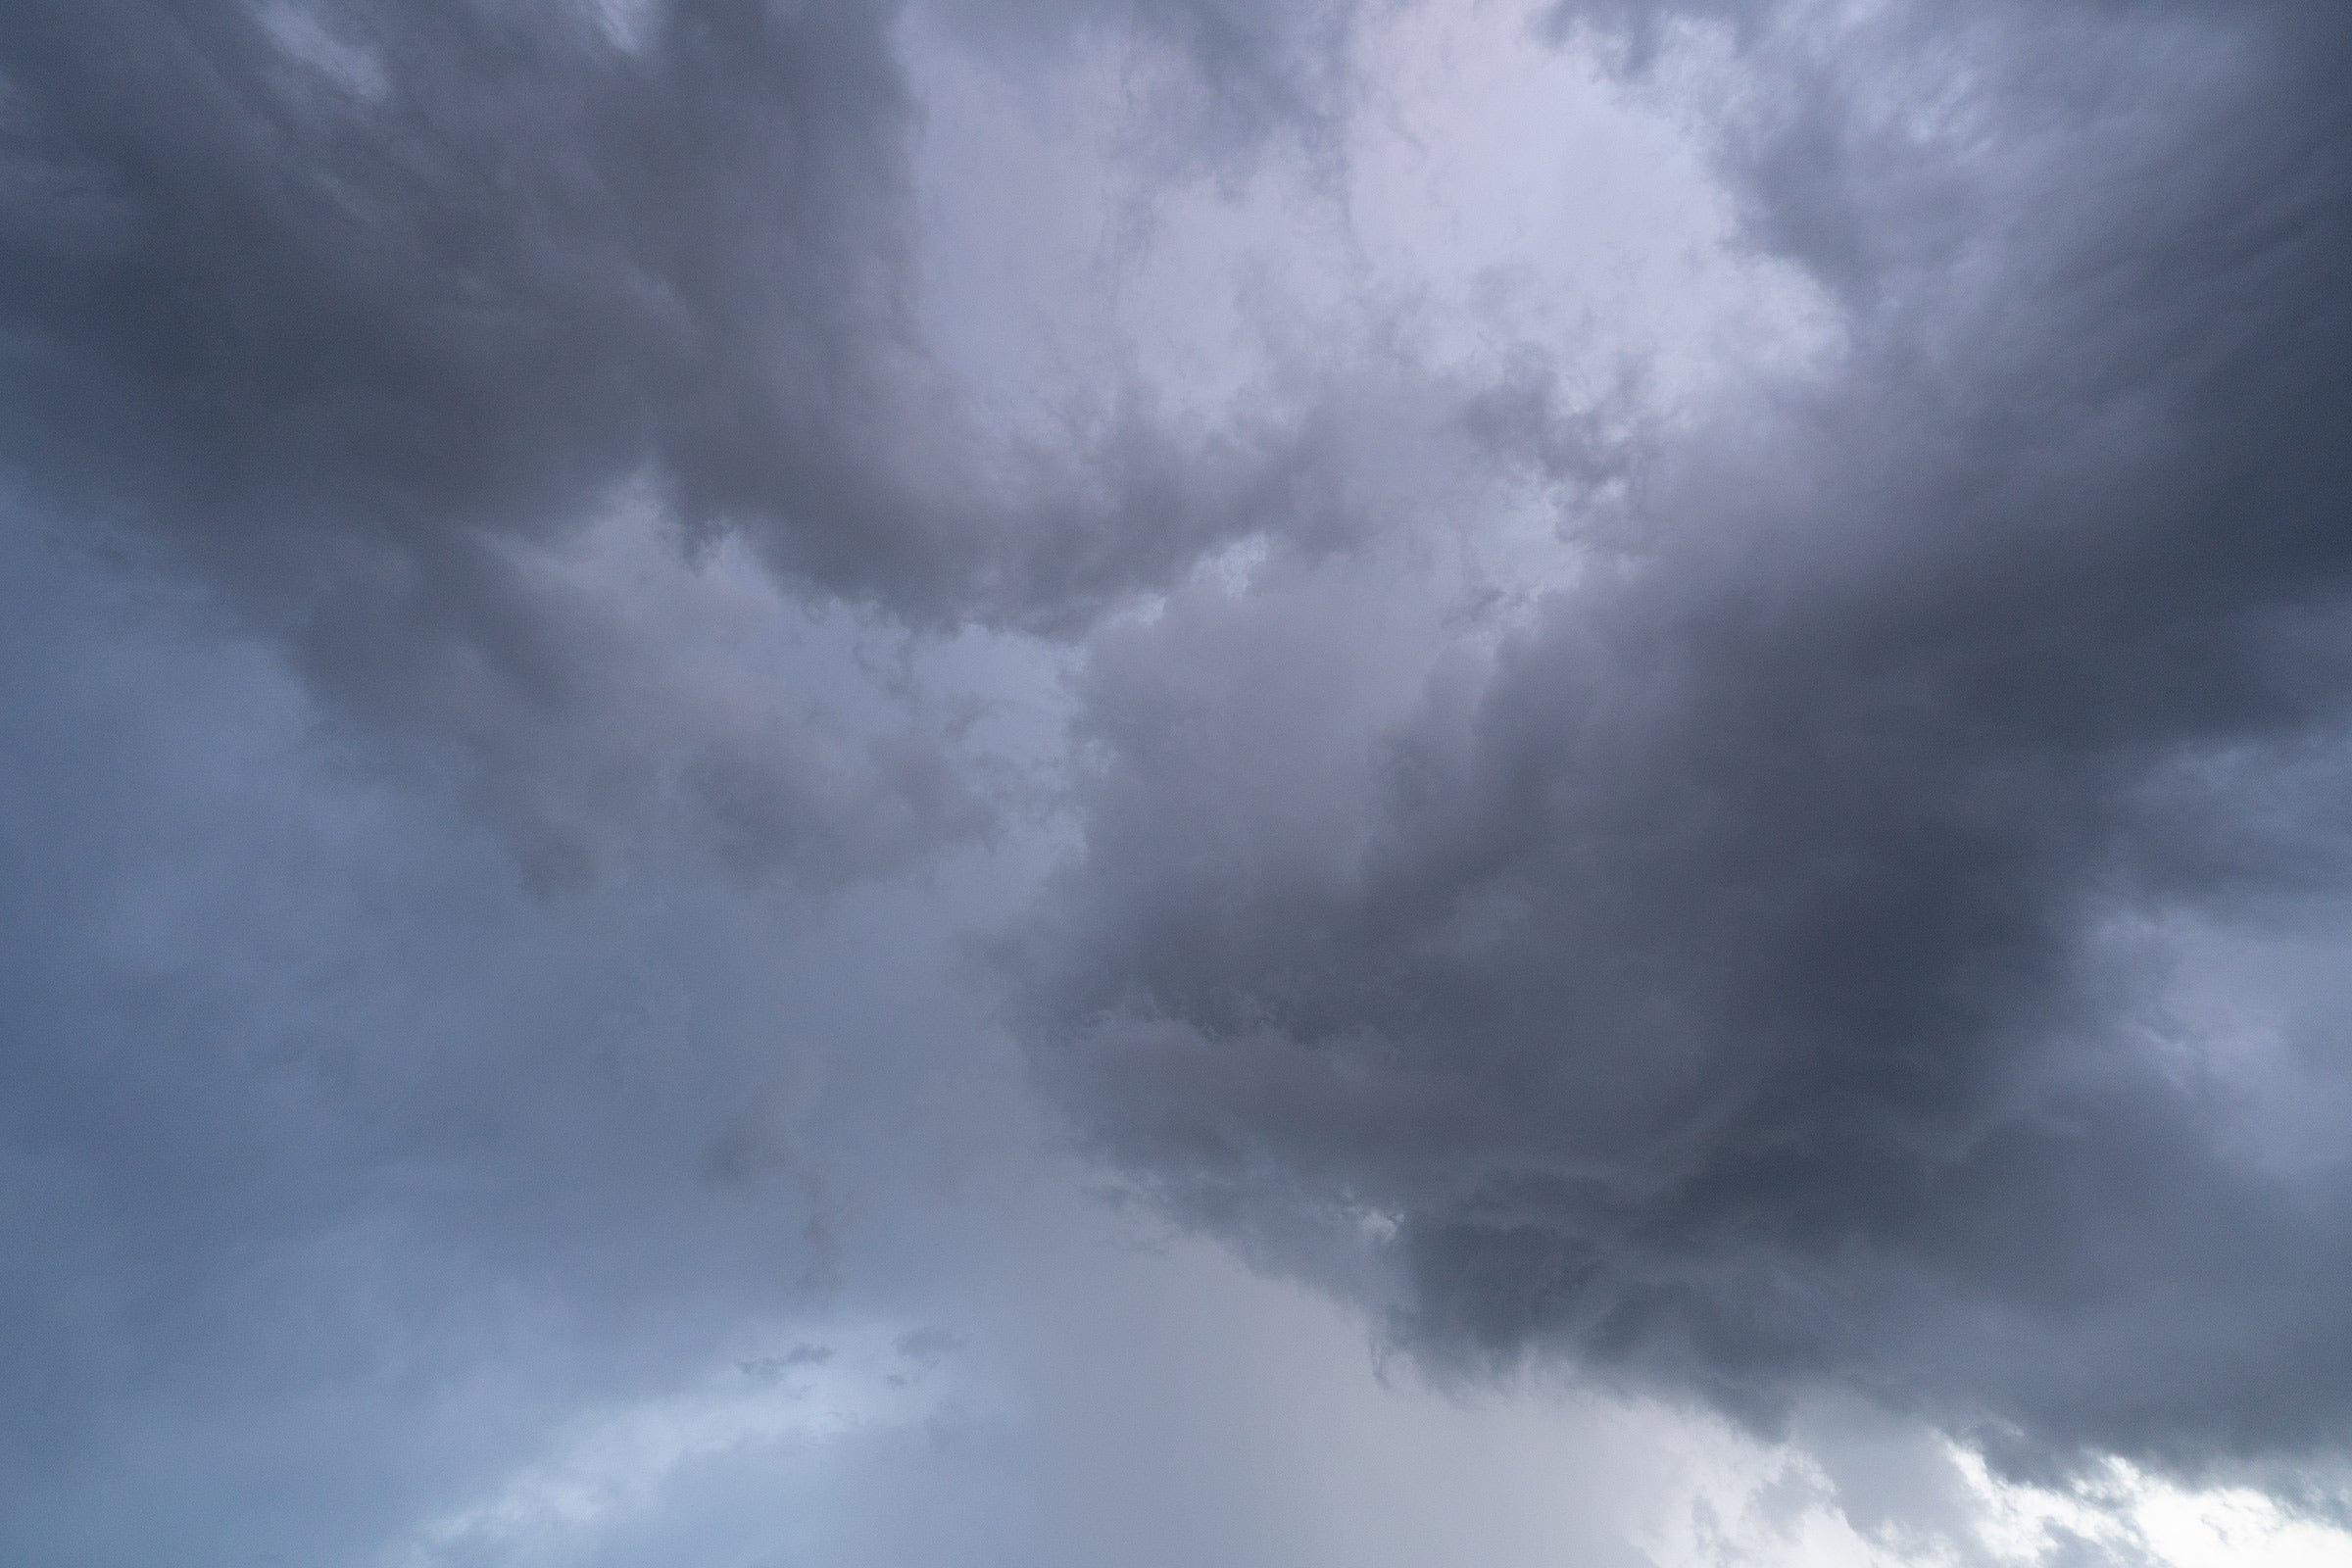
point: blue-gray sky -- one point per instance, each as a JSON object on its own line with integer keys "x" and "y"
{"x": 1062, "y": 782}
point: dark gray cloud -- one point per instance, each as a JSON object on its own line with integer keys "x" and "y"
{"x": 1764, "y": 969}
{"x": 369, "y": 316}
{"x": 351, "y": 310}
{"x": 1856, "y": 903}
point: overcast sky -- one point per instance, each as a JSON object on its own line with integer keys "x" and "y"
{"x": 1162, "y": 783}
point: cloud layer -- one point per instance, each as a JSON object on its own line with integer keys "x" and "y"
{"x": 1656, "y": 689}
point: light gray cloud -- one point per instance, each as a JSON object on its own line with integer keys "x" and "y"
{"x": 342, "y": 1167}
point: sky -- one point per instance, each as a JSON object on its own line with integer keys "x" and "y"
{"x": 1095, "y": 784}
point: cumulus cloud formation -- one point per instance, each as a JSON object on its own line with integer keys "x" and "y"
{"x": 802, "y": 781}
{"x": 1766, "y": 967}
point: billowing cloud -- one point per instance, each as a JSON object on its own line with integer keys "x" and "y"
{"x": 1643, "y": 700}
{"x": 1767, "y": 968}
{"x": 372, "y": 319}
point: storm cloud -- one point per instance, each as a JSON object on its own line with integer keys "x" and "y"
{"x": 1764, "y": 965}
{"x": 1072, "y": 781}
{"x": 371, "y": 318}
